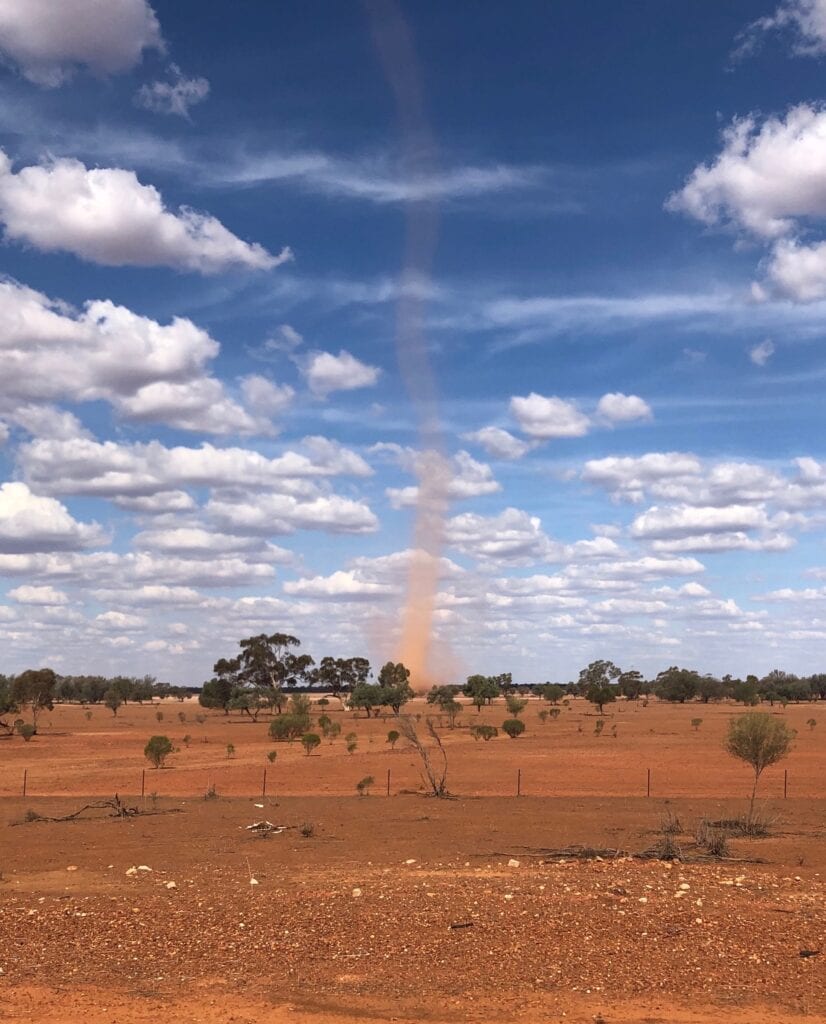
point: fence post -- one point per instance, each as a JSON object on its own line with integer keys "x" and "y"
{"x": 785, "y": 783}
{"x": 25, "y": 777}
{"x": 264, "y": 783}
{"x": 648, "y": 785}
{"x": 388, "y": 782}
{"x": 143, "y": 781}
{"x": 519, "y": 782}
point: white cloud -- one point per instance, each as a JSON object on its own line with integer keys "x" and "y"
{"x": 264, "y": 396}
{"x": 629, "y": 477}
{"x": 804, "y": 19}
{"x": 544, "y": 418}
{"x": 618, "y": 408}
{"x": 796, "y": 271}
{"x": 105, "y": 215}
{"x": 271, "y": 514}
{"x": 120, "y": 621}
{"x": 499, "y": 443}
{"x": 148, "y": 371}
{"x": 457, "y": 479}
{"x": 766, "y": 178}
{"x": 47, "y": 596}
{"x": 46, "y": 40}
{"x": 109, "y": 469}
{"x": 31, "y": 523}
{"x": 512, "y": 536}
{"x": 684, "y": 521}
{"x": 325, "y": 373}
{"x": 762, "y": 353}
{"x": 175, "y": 97}
{"x": 339, "y": 586}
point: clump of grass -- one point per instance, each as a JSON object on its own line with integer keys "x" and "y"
{"x": 307, "y": 830}
{"x": 32, "y": 815}
{"x": 713, "y": 840}
{"x": 363, "y": 785}
{"x": 670, "y": 824}
{"x": 211, "y": 793}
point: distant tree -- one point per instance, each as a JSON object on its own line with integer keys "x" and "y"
{"x": 230, "y": 750}
{"x": 595, "y": 683}
{"x": 113, "y": 700}
{"x": 157, "y": 749}
{"x": 760, "y": 740}
{"x": 367, "y": 697}
{"x": 272, "y": 755}
{"x": 394, "y": 682}
{"x": 338, "y": 674}
{"x": 677, "y": 684}
{"x": 34, "y": 689}
{"x": 481, "y": 690}
{"x": 309, "y": 741}
{"x": 286, "y": 728}
{"x": 696, "y": 723}
{"x": 26, "y": 730}
{"x": 812, "y": 722}
{"x": 513, "y": 727}
{"x": 631, "y": 684}
{"x": 363, "y": 785}
{"x": 8, "y": 706}
{"x": 393, "y": 738}
{"x": 441, "y": 695}
{"x": 709, "y": 689}
{"x": 483, "y": 732}
{"x": 552, "y": 692}
{"x": 746, "y": 692}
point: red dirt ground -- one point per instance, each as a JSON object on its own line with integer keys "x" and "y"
{"x": 551, "y": 939}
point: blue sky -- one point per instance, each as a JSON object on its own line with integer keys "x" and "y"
{"x": 208, "y": 429}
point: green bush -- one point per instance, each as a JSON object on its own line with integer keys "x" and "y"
{"x": 393, "y": 738}
{"x": 483, "y": 732}
{"x": 513, "y": 727}
{"x": 26, "y": 730}
{"x": 157, "y": 749}
{"x": 288, "y": 727}
{"x": 363, "y": 785}
{"x": 309, "y": 741}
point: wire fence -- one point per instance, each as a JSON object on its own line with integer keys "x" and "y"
{"x": 260, "y": 782}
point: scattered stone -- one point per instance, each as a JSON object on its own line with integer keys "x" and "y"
{"x": 357, "y": 892}
{"x": 513, "y": 863}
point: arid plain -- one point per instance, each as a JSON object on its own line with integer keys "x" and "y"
{"x": 408, "y": 907}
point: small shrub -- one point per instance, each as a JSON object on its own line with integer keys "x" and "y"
{"x": 393, "y": 738}
{"x": 614, "y": 731}
{"x": 599, "y": 725}
{"x": 543, "y": 716}
{"x": 483, "y": 732}
{"x": 157, "y": 749}
{"x": 717, "y": 845}
{"x": 88, "y": 716}
{"x": 324, "y": 723}
{"x": 555, "y": 713}
{"x": 211, "y": 793}
{"x": 812, "y": 722}
{"x": 307, "y": 830}
{"x": 26, "y": 730}
{"x": 186, "y": 740}
{"x": 289, "y": 727}
{"x": 514, "y": 727}
{"x": 271, "y": 756}
{"x": 181, "y": 717}
{"x": 159, "y": 716}
{"x": 200, "y": 719}
{"x": 670, "y": 825}
{"x": 324, "y": 702}
{"x": 230, "y": 750}
{"x": 515, "y": 705}
{"x": 696, "y": 723}
{"x": 351, "y": 746}
{"x": 309, "y": 741}
{"x": 363, "y": 785}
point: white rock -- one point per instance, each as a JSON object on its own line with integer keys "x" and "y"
{"x": 512, "y": 863}
{"x": 144, "y": 867}
{"x": 132, "y": 871}
{"x": 253, "y": 881}
{"x": 685, "y": 886}
{"x": 357, "y": 892}
{"x": 171, "y": 885}
{"x": 412, "y": 860}
{"x": 72, "y": 867}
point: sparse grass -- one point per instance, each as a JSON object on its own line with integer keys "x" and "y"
{"x": 670, "y": 824}
{"x": 307, "y": 830}
{"x": 363, "y": 785}
{"x": 211, "y": 793}
{"x": 31, "y": 815}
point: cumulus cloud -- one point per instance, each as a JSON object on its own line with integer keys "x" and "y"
{"x": 273, "y": 514}
{"x": 47, "y": 596}
{"x": 769, "y": 181}
{"x": 629, "y": 477}
{"x": 120, "y": 621}
{"x": 619, "y": 408}
{"x": 499, "y": 443}
{"x": 326, "y": 373}
{"x": 340, "y": 586}
{"x": 148, "y": 371}
{"x": 109, "y": 469}
{"x": 682, "y": 521}
{"x": 544, "y": 418}
{"x": 47, "y": 40}
{"x": 463, "y": 477}
{"x": 175, "y": 96}
{"x": 762, "y": 353}
{"x": 105, "y": 215}
{"x": 31, "y": 523}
